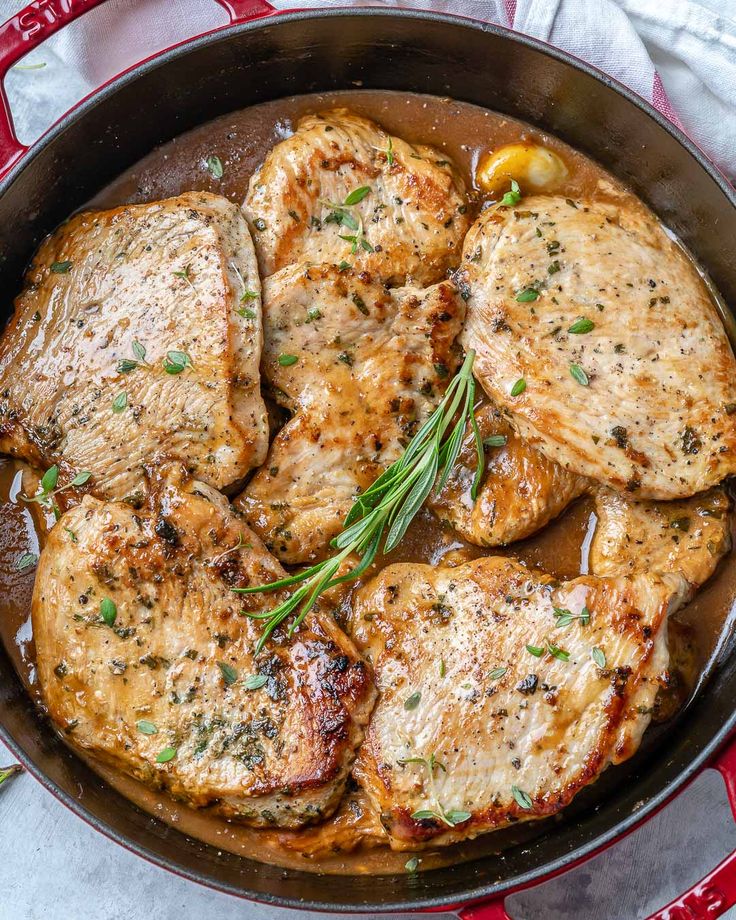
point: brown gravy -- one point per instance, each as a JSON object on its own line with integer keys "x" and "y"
{"x": 241, "y": 141}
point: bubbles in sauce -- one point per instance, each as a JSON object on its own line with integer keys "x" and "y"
{"x": 240, "y": 140}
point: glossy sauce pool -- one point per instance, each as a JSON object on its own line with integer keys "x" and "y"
{"x": 463, "y": 133}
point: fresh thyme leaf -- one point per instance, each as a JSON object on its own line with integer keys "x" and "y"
{"x": 582, "y": 325}
{"x": 229, "y": 674}
{"x": 146, "y": 728}
{"x": 497, "y": 673}
{"x": 168, "y": 753}
{"x": 585, "y": 616}
{"x": 426, "y": 814}
{"x": 176, "y": 361}
{"x": 287, "y": 360}
{"x": 81, "y": 478}
{"x": 248, "y": 295}
{"x": 412, "y": 864}
{"x": 495, "y": 440}
{"x": 39, "y": 66}
{"x": 564, "y": 616}
{"x": 72, "y": 536}
{"x": 214, "y": 165}
{"x": 557, "y": 652}
{"x": 599, "y": 657}
{"x": 120, "y": 403}
{"x": 357, "y": 195}
{"x": 390, "y": 152}
{"x": 139, "y": 350}
{"x": 343, "y": 266}
{"x": 61, "y": 268}
{"x": 443, "y": 667}
{"x": 457, "y": 817}
{"x": 246, "y": 313}
{"x": 579, "y": 375}
{"x": 527, "y": 295}
{"x": 255, "y": 681}
{"x": 513, "y": 196}
{"x": 536, "y": 650}
{"x": 388, "y": 505}
{"x": 108, "y": 611}
{"x": 411, "y": 702}
{"x": 518, "y": 388}
{"x": 26, "y": 561}
{"x": 125, "y": 366}
{"x": 50, "y": 479}
{"x": 523, "y": 799}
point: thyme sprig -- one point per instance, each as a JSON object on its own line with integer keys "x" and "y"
{"x": 439, "y": 812}
{"x": 388, "y": 505}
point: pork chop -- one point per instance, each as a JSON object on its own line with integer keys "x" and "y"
{"x": 502, "y": 692}
{"x": 596, "y": 334}
{"x": 360, "y": 367}
{"x": 138, "y": 332}
{"x": 521, "y": 490}
{"x": 688, "y": 537}
{"x": 145, "y": 658}
{"x": 341, "y": 188}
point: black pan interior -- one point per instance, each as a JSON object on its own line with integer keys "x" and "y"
{"x": 417, "y": 53}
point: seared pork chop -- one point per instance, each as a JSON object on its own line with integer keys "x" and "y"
{"x": 521, "y": 490}
{"x": 138, "y": 332}
{"x": 310, "y": 195}
{"x": 360, "y": 367}
{"x": 145, "y": 658}
{"x": 596, "y": 334}
{"x": 687, "y": 537}
{"x": 502, "y": 692}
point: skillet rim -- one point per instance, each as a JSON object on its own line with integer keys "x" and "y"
{"x": 619, "y": 827}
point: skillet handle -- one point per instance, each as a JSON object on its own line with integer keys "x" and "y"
{"x": 709, "y": 898}
{"x": 38, "y": 21}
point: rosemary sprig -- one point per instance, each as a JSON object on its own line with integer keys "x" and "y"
{"x": 388, "y": 505}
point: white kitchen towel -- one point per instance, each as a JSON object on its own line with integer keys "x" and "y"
{"x": 678, "y": 54}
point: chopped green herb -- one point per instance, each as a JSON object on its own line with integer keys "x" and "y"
{"x": 313, "y": 314}
{"x": 139, "y": 350}
{"x": 513, "y": 196}
{"x": 246, "y": 313}
{"x": 536, "y": 650}
{"x": 357, "y": 195}
{"x": 168, "y": 753}
{"x": 495, "y": 440}
{"x": 412, "y": 701}
{"x": 176, "y": 361}
{"x": 39, "y": 66}
{"x": 60, "y": 268}
{"x": 146, "y": 728}
{"x": 557, "y": 652}
{"x": 81, "y": 478}
{"x": 527, "y": 295}
{"x": 214, "y": 165}
{"x": 229, "y": 674}
{"x": 582, "y": 325}
{"x": 125, "y": 366}
{"x": 390, "y": 152}
{"x": 443, "y": 667}
{"x": 7, "y": 772}
{"x": 579, "y": 375}
{"x": 120, "y": 403}
{"x": 287, "y": 360}
{"x": 599, "y": 657}
{"x": 518, "y": 388}
{"x": 255, "y": 681}
{"x": 497, "y": 673}
{"x": 26, "y": 561}
{"x": 523, "y": 799}
{"x": 412, "y": 864}
{"x": 108, "y": 611}
{"x": 344, "y": 266}
{"x": 72, "y": 536}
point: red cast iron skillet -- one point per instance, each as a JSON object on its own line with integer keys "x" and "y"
{"x": 259, "y": 57}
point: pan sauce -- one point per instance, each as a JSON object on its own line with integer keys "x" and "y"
{"x": 241, "y": 140}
